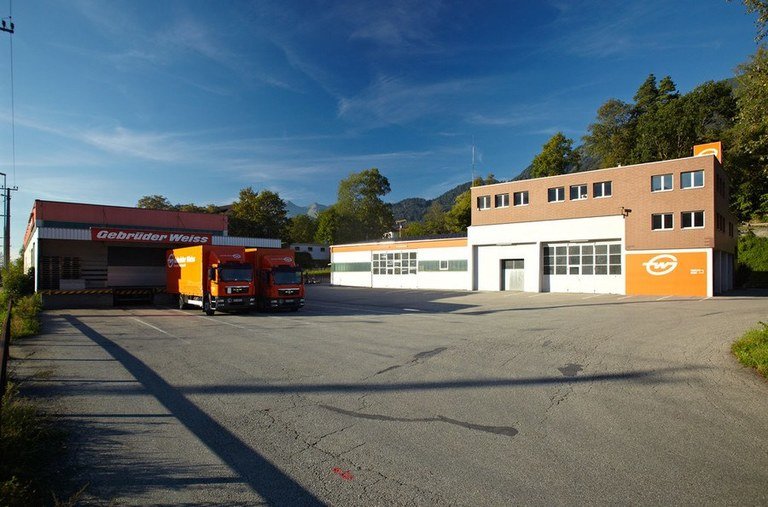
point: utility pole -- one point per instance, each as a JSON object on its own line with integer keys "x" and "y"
{"x": 7, "y": 220}
{"x": 10, "y": 29}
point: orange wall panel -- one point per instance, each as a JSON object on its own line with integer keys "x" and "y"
{"x": 667, "y": 274}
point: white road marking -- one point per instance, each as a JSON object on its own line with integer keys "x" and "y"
{"x": 411, "y": 310}
{"x": 625, "y": 297}
{"x": 592, "y": 296}
{"x": 158, "y": 329}
{"x": 663, "y": 298}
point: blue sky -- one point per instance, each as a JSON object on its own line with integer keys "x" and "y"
{"x": 195, "y": 100}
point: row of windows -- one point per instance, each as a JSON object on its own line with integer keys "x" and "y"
{"x": 309, "y": 249}
{"x": 659, "y": 183}
{"x": 688, "y": 179}
{"x": 720, "y": 224}
{"x": 688, "y": 220}
{"x": 555, "y": 194}
{"x": 585, "y": 259}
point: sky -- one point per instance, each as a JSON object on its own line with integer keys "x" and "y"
{"x": 195, "y": 100}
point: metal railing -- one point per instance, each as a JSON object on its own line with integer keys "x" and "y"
{"x": 5, "y": 342}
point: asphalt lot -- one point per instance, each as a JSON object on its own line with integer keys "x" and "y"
{"x": 381, "y": 397}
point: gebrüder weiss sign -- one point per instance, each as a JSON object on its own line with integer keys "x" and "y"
{"x": 144, "y": 236}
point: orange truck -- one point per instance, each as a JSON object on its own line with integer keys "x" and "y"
{"x": 211, "y": 277}
{"x": 279, "y": 279}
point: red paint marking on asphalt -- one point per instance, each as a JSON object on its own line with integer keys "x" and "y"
{"x": 346, "y": 475}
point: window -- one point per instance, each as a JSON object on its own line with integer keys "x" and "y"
{"x": 661, "y": 221}
{"x": 521, "y": 198}
{"x": 556, "y": 194}
{"x": 578, "y": 192}
{"x": 502, "y": 200}
{"x": 601, "y": 189}
{"x": 484, "y": 202}
{"x": 661, "y": 182}
{"x": 322, "y": 249}
{"x": 692, "y": 219}
{"x": 583, "y": 259}
{"x": 394, "y": 263}
{"x": 692, "y": 179}
{"x": 443, "y": 265}
{"x": 309, "y": 248}
{"x": 296, "y": 248}
{"x": 720, "y": 222}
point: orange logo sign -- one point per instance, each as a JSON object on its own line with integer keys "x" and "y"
{"x": 715, "y": 149}
{"x": 661, "y": 265}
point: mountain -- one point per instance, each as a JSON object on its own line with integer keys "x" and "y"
{"x": 311, "y": 210}
{"x": 414, "y": 208}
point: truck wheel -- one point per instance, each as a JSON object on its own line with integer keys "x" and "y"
{"x": 207, "y": 305}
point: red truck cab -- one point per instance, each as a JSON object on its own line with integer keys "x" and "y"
{"x": 280, "y": 284}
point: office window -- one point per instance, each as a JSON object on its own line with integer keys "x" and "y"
{"x": 582, "y": 259}
{"x": 661, "y": 221}
{"x": 661, "y": 182}
{"x": 556, "y": 194}
{"x": 443, "y": 266}
{"x": 520, "y": 198}
{"x": 578, "y": 192}
{"x": 692, "y": 179}
{"x": 502, "y": 200}
{"x": 484, "y": 202}
{"x": 692, "y": 219}
{"x": 602, "y": 189}
{"x": 720, "y": 222}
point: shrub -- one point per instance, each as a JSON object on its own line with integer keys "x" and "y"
{"x": 752, "y": 268}
{"x": 17, "y": 283}
{"x": 752, "y": 349}
{"x": 29, "y": 445}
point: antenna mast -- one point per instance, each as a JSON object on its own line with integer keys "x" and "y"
{"x": 473, "y": 161}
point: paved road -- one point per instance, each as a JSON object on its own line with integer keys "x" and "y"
{"x": 378, "y": 397}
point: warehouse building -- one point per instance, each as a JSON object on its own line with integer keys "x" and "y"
{"x": 89, "y": 254}
{"x": 439, "y": 263}
{"x": 661, "y": 228}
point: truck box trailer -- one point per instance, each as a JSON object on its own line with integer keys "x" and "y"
{"x": 280, "y": 283}
{"x": 211, "y": 277}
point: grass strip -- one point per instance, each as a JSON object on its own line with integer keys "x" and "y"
{"x": 752, "y": 349}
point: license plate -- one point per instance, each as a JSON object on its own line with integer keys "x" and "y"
{"x": 237, "y": 300}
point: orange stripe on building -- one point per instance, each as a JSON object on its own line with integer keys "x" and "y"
{"x": 401, "y": 245}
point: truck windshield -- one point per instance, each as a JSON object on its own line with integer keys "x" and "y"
{"x": 236, "y": 273}
{"x": 286, "y": 277}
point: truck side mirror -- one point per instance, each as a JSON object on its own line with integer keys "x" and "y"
{"x": 212, "y": 273}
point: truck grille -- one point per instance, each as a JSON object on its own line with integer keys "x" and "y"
{"x": 237, "y": 290}
{"x": 288, "y": 292}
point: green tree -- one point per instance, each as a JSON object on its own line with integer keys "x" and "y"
{"x": 459, "y": 217}
{"x": 749, "y": 156}
{"x": 302, "y": 229}
{"x": 362, "y": 213}
{"x": 155, "y": 202}
{"x": 761, "y": 8}
{"x": 647, "y": 95}
{"x": 328, "y": 226}
{"x": 611, "y": 137}
{"x": 15, "y": 281}
{"x": 435, "y": 220}
{"x": 260, "y": 215}
{"x": 556, "y": 157}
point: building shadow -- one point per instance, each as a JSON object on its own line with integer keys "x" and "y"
{"x": 253, "y": 469}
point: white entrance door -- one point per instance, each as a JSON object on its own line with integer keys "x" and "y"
{"x": 512, "y": 274}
